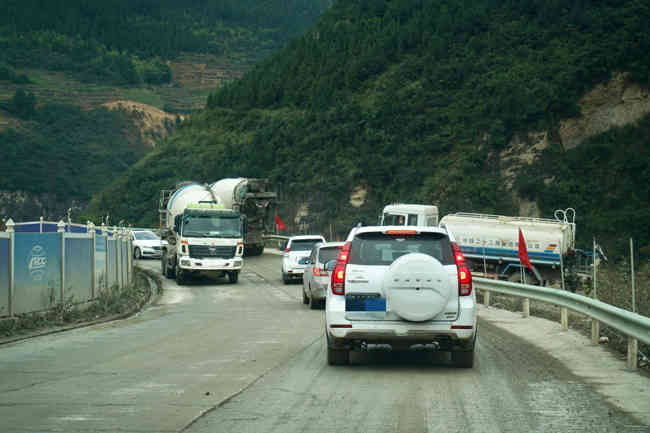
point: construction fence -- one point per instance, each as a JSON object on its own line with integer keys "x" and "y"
{"x": 45, "y": 263}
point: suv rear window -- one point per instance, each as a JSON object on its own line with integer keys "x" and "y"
{"x": 304, "y": 244}
{"x": 381, "y": 249}
{"x": 328, "y": 253}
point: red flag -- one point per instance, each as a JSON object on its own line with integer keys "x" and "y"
{"x": 523, "y": 252}
{"x": 279, "y": 223}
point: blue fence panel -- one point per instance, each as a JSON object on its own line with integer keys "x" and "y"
{"x": 4, "y": 276}
{"x": 50, "y": 227}
{"x": 77, "y": 229}
{"x": 37, "y": 269}
{"x": 28, "y": 228}
{"x": 78, "y": 269}
{"x": 100, "y": 263}
{"x": 111, "y": 277}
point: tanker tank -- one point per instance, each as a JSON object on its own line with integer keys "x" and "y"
{"x": 490, "y": 243}
{"x": 252, "y": 198}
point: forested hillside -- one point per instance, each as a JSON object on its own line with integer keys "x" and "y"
{"x": 127, "y": 41}
{"x": 416, "y": 101}
{"x": 66, "y": 156}
{"x": 62, "y": 62}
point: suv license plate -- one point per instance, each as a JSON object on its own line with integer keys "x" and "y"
{"x": 365, "y": 303}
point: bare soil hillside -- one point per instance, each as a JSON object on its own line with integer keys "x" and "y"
{"x": 152, "y": 122}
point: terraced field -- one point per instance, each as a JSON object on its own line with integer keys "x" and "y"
{"x": 193, "y": 78}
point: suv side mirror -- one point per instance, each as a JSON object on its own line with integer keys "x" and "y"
{"x": 330, "y": 265}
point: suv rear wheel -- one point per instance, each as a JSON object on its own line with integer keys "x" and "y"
{"x": 338, "y": 356}
{"x": 463, "y": 359}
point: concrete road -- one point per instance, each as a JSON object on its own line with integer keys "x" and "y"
{"x": 216, "y": 357}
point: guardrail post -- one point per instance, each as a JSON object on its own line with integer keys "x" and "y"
{"x": 595, "y": 331}
{"x": 486, "y": 297}
{"x": 564, "y": 318}
{"x": 61, "y": 229}
{"x": 12, "y": 277}
{"x": 526, "y": 307}
{"x": 632, "y": 353}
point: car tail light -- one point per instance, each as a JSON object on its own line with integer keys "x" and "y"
{"x": 402, "y": 232}
{"x": 319, "y": 272}
{"x": 286, "y": 250}
{"x": 338, "y": 275}
{"x": 464, "y": 275}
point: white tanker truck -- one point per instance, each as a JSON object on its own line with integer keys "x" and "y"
{"x": 490, "y": 243}
{"x": 203, "y": 235}
{"x": 252, "y": 198}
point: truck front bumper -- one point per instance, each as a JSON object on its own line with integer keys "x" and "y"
{"x": 207, "y": 264}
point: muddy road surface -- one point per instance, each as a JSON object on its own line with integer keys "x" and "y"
{"x": 211, "y": 356}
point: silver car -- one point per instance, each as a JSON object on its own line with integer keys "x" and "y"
{"x": 316, "y": 278}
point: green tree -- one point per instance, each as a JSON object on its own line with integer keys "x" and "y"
{"x": 23, "y": 104}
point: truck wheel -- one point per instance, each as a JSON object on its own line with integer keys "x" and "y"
{"x": 233, "y": 276}
{"x": 180, "y": 277}
{"x": 166, "y": 271}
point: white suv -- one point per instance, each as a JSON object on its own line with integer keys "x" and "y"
{"x": 400, "y": 285}
{"x": 296, "y": 252}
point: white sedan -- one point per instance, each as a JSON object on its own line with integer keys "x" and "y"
{"x": 146, "y": 244}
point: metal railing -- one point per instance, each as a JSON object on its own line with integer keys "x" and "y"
{"x": 276, "y": 237}
{"x": 635, "y": 326}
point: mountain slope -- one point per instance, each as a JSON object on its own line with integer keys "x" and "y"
{"x": 410, "y": 100}
{"x": 74, "y": 58}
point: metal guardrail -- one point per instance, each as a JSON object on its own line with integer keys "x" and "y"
{"x": 276, "y": 237}
{"x": 635, "y": 326}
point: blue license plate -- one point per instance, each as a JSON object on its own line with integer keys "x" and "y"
{"x": 364, "y": 303}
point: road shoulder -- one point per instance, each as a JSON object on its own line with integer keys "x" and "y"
{"x": 608, "y": 374}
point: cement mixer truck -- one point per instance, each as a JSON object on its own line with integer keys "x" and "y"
{"x": 203, "y": 235}
{"x": 253, "y": 199}
{"x": 490, "y": 243}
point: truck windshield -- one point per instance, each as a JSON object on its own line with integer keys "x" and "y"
{"x": 208, "y": 225}
{"x": 393, "y": 220}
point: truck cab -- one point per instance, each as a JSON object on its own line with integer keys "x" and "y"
{"x": 400, "y": 214}
{"x": 203, "y": 236}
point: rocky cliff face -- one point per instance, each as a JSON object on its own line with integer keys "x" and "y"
{"x": 616, "y": 103}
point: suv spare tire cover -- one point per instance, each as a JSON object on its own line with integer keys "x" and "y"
{"x": 417, "y": 287}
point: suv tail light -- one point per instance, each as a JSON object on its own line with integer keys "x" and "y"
{"x": 464, "y": 275}
{"x": 286, "y": 250}
{"x": 338, "y": 275}
{"x": 319, "y": 272}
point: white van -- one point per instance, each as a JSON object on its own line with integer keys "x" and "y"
{"x": 400, "y": 214}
